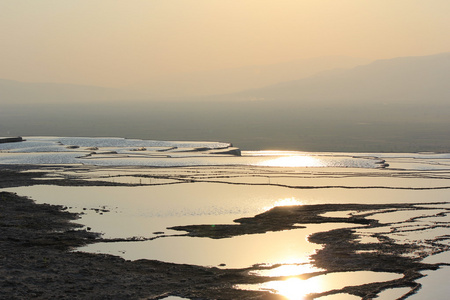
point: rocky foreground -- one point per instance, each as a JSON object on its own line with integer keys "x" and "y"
{"x": 36, "y": 262}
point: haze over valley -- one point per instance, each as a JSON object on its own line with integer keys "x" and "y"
{"x": 398, "y": 104}
{"x": 302, "y": 75}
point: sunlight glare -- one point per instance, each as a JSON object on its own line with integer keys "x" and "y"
{"x": 287, "y": 270}
{"x": 284, "y": 202}
{"x": 293, "y": 288}
{"x": 293, "y": 161}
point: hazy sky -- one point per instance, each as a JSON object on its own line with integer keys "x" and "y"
{"x": 121, "y": 43}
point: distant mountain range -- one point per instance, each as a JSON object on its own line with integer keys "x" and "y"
{"x": 178, "y": 87}
{"x": 395, "y": 105}
{"x": 226, "y": 81}
{"x": 398, "y": 80}
{"x": 16, "y": 92}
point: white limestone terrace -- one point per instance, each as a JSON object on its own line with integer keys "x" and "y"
{"x": 111, "y": 151}
{"x": 151, "y": 153}
{"x": 104, "y": 151}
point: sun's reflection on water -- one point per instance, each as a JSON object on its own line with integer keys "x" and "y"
{"x": 295, "y": 288}
{"x": 293, "y": 161}
{"x": 287, "y": 270}
{"x": 284, "y": 202}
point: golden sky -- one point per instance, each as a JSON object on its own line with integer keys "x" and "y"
{"x": 121, "y": 43}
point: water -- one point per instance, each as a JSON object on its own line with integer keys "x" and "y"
{"x": 434, "y": 283}
{"x": 124, "y": 152}
{"x": 285, "y": 247}
{"x": 298, "y": 289}
{"x": 133, "y": 152}
{"x": 194, "y": 185}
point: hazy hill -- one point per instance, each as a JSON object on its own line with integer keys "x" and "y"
{"x": 177, "y": 87}
{"x": 398, "y": 80}
{"x": 16, "y": 92}
{"x": 396, "y": 105}
{"x": 232, "y": 80}
{"x": 407, "y": 79}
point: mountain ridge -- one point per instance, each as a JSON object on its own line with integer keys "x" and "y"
{"x": 396, "y": 80}
{"x": 18, "y": 92}
{"x": 391, "y": 80}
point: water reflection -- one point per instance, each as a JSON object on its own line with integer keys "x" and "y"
{"x": 295, "y": 288}
{"x": 287, "y": 270}
{"x": 293, "y": 161}
{"x": 280, "y": 247}
{"x": 284, "y": 202}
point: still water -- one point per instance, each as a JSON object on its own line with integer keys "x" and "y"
{"x": 198, "y": 186}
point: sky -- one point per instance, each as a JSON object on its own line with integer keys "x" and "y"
{"x": 117, "y": 43}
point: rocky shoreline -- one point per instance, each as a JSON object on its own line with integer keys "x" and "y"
{"x": 11, "y": 139}
{"x": 36, "y": 262}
